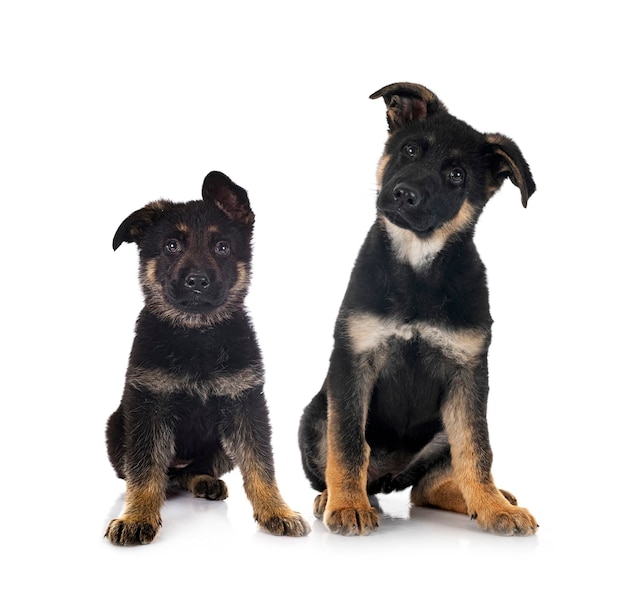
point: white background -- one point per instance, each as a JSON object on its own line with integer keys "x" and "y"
{"x": 108, "y": 105}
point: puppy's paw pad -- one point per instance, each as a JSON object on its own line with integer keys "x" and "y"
{"x": 352, "y": 521}
{"x": 129, "y": 533}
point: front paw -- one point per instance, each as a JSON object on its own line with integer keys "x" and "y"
{"x": 124, "y": 532}
{"x": 510, "y": 521}
{"x": 285, "y": 524}
{"x": 352, "y": 521}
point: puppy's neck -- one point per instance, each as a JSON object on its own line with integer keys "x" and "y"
{"x": 409, "y": 248}
{"x": 420, "y": 252}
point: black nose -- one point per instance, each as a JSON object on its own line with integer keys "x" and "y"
{"x": 404, "y": 194}
{"x": 197, "y": 281}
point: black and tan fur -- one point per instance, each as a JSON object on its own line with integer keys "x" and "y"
{"x": 193, "y": 406}
{"x": 405, "y": 399}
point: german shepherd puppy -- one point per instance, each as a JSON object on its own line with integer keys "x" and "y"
{"x": 193, "y": 405}
{"x": 405, "y": 399}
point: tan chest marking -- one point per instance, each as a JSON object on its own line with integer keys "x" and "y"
{"x": 162, "y": 382}
{"x": 418, "y": 252}
{"x": 368, "y": 332}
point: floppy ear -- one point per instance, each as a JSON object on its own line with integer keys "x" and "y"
{"x": 220, "y": 190}
{"x": 134, "y": 226}
{"x": 508, "y": 162}
{"x": 408, "y": 102}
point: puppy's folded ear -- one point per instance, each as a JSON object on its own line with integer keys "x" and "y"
{"x": 408, "y": 102}
{"x": 220, "y": 190}
{"x": 507, "y": 161}
{"x": 134, "y": 226}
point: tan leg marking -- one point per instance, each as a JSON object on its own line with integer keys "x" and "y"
{"x": 140, "y": 519}
{"x": 485, "y": 502}
{"x": 269, "y": 508}
{"x": 440, "y": 492}
{"x": 347, "y": 510}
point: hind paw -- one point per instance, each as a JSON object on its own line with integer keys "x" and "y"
{"x": 512, "y": 521}
{"x": 509, "y": 497}
{"x": 319, "y": 504}
{"x": 207, "y": 487}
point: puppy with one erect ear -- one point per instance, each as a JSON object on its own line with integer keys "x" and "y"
{"x": 404, "y": 402}
{"x": 193, "y": 406}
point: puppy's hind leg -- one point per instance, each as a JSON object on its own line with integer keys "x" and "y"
{"x": 202, "y": 478}
{"x": 439, "y": 489}
{"x": 204, "y": 486}
{"x": 319, "y": 504}
{"x": 312, "y": 440}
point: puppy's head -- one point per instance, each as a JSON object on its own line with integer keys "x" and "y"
{"x": 195, "y": 256}
{"x": 437, "y": 172}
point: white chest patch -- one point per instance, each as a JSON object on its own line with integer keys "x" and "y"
{"x": 418, "y": 253}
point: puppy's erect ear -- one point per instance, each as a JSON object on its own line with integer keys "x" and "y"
{"x": 508, "y": 162}
{"x": 408, "y": 102}
{"x": 134, "y": 226}
{"x": 220, "y": 190}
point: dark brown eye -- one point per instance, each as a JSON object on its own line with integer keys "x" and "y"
{"x": 222, "y": 248}
{"x": 457, "y": 176}
{"x": 410, "y": 150}
{"x": 172, "y": 246}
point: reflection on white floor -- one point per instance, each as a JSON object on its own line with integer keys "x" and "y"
{"x": 220, "y": 541}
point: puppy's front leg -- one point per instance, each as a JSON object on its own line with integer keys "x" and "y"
{"x": 464, "y": 416}
{"x": 149, "y": 450}
{"x": 347, "y": 509}
{"x": 247, "y": 437}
